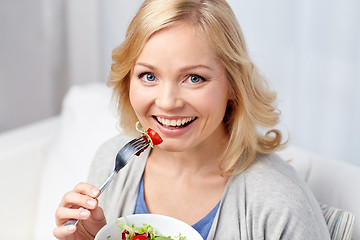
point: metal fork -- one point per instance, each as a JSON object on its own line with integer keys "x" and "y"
{"x": 134, "y": 147}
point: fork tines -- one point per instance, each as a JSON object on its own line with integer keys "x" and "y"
{"x": 139, "y": 143}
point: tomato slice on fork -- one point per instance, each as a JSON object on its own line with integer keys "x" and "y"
{"x": 151, "y": 137}
{"x": 155, "y": 137}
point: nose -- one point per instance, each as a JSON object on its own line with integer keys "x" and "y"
{"x": 168, "y": 97}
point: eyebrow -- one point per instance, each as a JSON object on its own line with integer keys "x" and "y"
{"x": 145, "y": 65}
{"x": 184, "y": 69}
{"x": 187, "y": 68}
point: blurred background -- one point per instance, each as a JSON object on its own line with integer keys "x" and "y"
{"x": 309, "y": 50}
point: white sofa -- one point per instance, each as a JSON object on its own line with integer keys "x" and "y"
{"x": 42, "y": 161}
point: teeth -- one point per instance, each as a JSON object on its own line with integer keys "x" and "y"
{"x": 174, "y": 123}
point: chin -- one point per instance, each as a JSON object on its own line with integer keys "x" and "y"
{"x": 172, "y": 147}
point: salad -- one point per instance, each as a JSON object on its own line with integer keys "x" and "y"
{"x": 146, "y": 232}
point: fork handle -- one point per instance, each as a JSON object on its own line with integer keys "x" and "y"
{"x": 107, "y": 181}
{"x": 102, "y": 188}
{"x": 72, "y": 221}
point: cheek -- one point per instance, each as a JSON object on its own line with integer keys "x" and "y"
{"x": 134, "y": 97}
{"x": 212, "y": 106}
{"x": 139, "y": 99}
{"x": 216, "y": 100}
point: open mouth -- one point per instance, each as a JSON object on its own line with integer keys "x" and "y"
{"x": 175, "y": 123}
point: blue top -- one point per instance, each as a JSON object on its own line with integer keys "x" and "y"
{"x": 203, "y": 226}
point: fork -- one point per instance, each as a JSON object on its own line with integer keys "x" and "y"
{"x": 134, "y": 147}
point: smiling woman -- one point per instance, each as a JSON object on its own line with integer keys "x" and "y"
{"x": 184, "y": 71}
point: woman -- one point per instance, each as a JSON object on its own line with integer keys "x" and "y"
{"x": 183, "y": 70}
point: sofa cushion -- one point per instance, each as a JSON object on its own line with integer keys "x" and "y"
{"x": 332, "y": 182}
{"x": 340, "y": 222}
{"x": 87, "y": 120}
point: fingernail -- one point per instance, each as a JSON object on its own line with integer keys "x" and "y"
{"x": 91, "y": 202}
{"x": 94, "y": 192}
{"x": 85, "y": 214}
{"x": 71, "y": 228}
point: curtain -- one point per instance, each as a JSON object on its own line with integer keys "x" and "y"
{"x": 310, "y": 52}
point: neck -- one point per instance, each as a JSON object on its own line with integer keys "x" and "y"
{"x": 202, "y": 159}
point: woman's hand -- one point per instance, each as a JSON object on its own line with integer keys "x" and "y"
{"x": 91, "y": 217}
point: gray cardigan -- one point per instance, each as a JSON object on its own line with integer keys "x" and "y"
{"x": 267, "y": 201}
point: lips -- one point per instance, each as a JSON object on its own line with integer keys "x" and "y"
{"x": 175, "y": 123}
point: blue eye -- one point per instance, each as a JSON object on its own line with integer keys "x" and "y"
{"x": 196, "y": 79}
{"x": 148, "y": 77}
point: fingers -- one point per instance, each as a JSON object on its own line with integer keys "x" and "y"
{"x": 63, "y": 214}
{"x": 76, "y": 200}
{"x": 64, "y": 231}
{"x": 81, "y": 196}
{"x": 91, "y": 222}
{"x": 87, "y": 189}
{"x": 79, "y": 204}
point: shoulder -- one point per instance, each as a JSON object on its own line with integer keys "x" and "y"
{"x": 271, "y": 179}
{"x": 272, "y": 171}
{"x": 275, "y": 196}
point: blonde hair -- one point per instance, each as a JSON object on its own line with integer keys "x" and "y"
{"x": 250, "y": 112}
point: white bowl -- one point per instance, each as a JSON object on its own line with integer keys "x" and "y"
{"x": 164, "y": 225}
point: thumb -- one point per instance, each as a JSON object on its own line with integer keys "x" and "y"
{"x": 96, "y": 221}
{"x": 97, "y": 214}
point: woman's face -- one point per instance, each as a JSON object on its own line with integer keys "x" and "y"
{"x": 179, "y": 89}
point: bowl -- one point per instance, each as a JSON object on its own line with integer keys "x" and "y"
{"x": 164, "y": 225}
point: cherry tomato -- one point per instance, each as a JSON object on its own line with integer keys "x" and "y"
{"x": 155, "y": 137}
{"x": 139, "y": 237}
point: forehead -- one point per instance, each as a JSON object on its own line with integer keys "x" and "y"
{"x": 182, "y": 40}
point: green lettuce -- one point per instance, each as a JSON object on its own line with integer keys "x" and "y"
{"x": 146, "y": 228}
